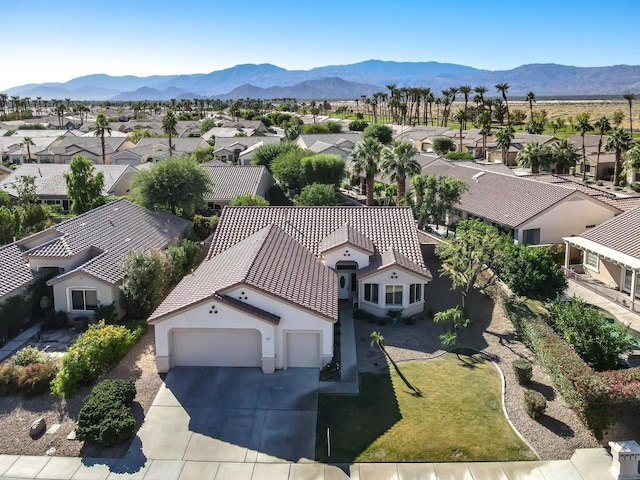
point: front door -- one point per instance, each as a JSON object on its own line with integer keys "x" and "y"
{"x": 344, "y": 285}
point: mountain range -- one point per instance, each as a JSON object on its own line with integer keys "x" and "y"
{"x": 341, "y": 82}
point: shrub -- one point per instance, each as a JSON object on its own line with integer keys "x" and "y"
{"x": 394, "y": 315}
{"x": 635, "y": 186}
{"x": 523, "y": 370}
{"x": 9, "y": 375}
{"x": 55, "y": 320}
{"x": 93, "y": 353}
{"x": 459, "y": 156}
{"x": 534, "y": 403}
{"x": 36, "y": 378}
{"x": 106, "y": 417}
{"x": 331, "y": 370}
{"x": 315, "y": 128}
{"x": 27, "y": 356}
{"x": 358, "y": 125}
{"x": 107, "y": 313}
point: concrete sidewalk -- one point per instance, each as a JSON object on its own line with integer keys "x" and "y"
{"x": 348, "y": 383}
{"x": 18, "y": 342}
{"x": 625, "y": 316}
{"x": 586, "y": 464}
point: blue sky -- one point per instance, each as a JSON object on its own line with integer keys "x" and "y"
{"x": 44, "y": 40}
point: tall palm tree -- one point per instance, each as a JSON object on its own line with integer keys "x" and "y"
{"x": 60, "y": 113}
{"x": 465, "y": 90}
{"x": 481, "y": 90}
{"x": 27, "y": 142}
{"x": 169, "y": 123}
{"x": 533, "y": 155}
{"x": 503, "y": 88}
{"x": 630, "y": 97}
{"x": 102, "y": 127}
{"x": 583, "y": 125}
{"x": 603, "y": 126}
{"x": 619, "y": 142}
{"x": 503, "y": 139}
{"x": 366, "y": 159}
{"x": 399, "y": 162}
{"x": 461, "y": 117}
{"x": 564, "y": 154}
{"x": 484, "y": 120}
{"x": 531, "y": 98}
{"x": 632, "y": 160}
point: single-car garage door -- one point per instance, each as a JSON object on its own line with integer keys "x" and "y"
{"x": 212, "y": 347}
{"x": 303, "y": 349}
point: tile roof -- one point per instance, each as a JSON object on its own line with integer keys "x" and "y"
{"x": 621, "y": 233}
{"x": 386, "y": 226}
{"x": 390, "y": 258}
{"x": 269, "y": 260}
{"x": 229, "y": 181}
{"x": 108, "y": 233}
{"x": 504, "y": 199}
{"x": 15, "y": 270}
{"x": 50, "y": 181}
{"x": 347, "y": 234}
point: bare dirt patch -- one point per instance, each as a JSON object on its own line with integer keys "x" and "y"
{"x": 17, "y": 413}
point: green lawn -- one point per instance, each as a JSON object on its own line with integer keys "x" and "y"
{"x": 458, "y": 418}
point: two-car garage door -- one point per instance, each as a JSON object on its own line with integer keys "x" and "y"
{"x": 217, "y": 347}
{"x": 240, "y": 348}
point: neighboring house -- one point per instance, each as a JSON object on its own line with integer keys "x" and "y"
{"x": 181, "y": 146}
{"x": 65, "y": 149}
{"x": 51, "y": 186}
{"x": 267, "y": 294}
{"x": 230, "y": 181}
{"x": 224, "y": 132}
{"x": 344, "y": 140}
{"x": 610, "y": 254}
{"x": 20, "y": 154}
{"x": 251, "y": 124}
{"x": 532, "y": 212}
{"x": 82, "y": 256}
{"x": 229, "y": 149}
{"x": 519, "y": 140}
{"x": 596, "y": 168}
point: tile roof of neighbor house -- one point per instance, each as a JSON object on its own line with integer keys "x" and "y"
{"x": 15, "y": 270}
{"x": 110, "y": 232}
{"x": 70, "y": 145}
{"x": 390, "y": 258}
{"x": 347, "y": 234}
{"x": 269, "y": 260}
{"x": 229, "y": 181}
{"x": 387, "y": 227}
{"x": 49, "y": 177}
{"x": 506, "y": 200}
{"x": 180, "y": 145}
{"x": 214, "y": 163}
{"x": 621, "y": 233}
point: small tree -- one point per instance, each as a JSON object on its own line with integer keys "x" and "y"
{"x": 84, "y": 185}
{"x": 317, "y": 194}
{"x": 265, "y": 154}
{"x": 144, "y": 282}
{"x": 358, "y": 125}
{"x": 322, "y": 168}
{"x": 443, "y": 145}
{"x": 26, "y": 189}
{"x": 382, "y": 133}
{"x": 249, "y": 201}
{"x": 452, "y": 321}
{"x": 531, "y": 272}
{"x": 174, "y": 184}
{"x": 287, "y": 169}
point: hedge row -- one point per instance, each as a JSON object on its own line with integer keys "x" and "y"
{"x": 596, "y": 397}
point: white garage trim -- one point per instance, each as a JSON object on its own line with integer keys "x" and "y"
{"x": 216, "y": 347}
{"x": 302, "y": 349}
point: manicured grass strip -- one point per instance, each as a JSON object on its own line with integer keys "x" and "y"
{"x": 458, "y": 418}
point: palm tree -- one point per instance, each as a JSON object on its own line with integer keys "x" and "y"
{"x": 60, "y": 112}
{"x": 399, "y": 162}
{"x": 461, "y": 117}
{"x": 630, "y": 97}
{"x": 564, "y": 154}
{"x": 503, "y": 88}
{"x": 619, "y": 142}
{"x": 378, "y": 340}
{"x": 102, "y": 127}
{"x": 27, "y": 142}
{"x": 366, "y": 159}
{"x": 169, "y": 123}
{"x": 481, "y": 90}
{"x": 583, "y": 126}
{"x": 484, "y": 120}
{"x": 533, "y": 155}
{"x": 531, "y": 98}
{"x": 603, "y": 126}
{"x": 465, "y": 90}
{"x": 632, "y": 160}
{"x": 503, "y": 140}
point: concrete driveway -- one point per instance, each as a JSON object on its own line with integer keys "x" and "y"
{"x": 231, "y": 415}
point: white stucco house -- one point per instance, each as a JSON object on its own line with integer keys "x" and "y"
{"x": 267, "y": 295}
{"x": 82, "y": 256}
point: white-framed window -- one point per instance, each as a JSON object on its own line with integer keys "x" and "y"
{"x": 415, "y": 292}
{"x": 393, "y": 295}
{"x": 590, "y": 260}
{"x": 531, "y": 236}
{"x": 371, "y": 292}
{"x": 84, "y": 299}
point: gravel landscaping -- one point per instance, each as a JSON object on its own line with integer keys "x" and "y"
{"x": 17, "y": 413}
{"x": 555, "y": 436}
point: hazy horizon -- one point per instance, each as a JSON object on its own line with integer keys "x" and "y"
{"x": 53, "y": 42}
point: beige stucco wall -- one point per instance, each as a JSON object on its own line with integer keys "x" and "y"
{"x": 106, "y": 293}
{"x": 607, "y": 273}
{"x": 383, "y": 278}
{"x": 568, "y": 217}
